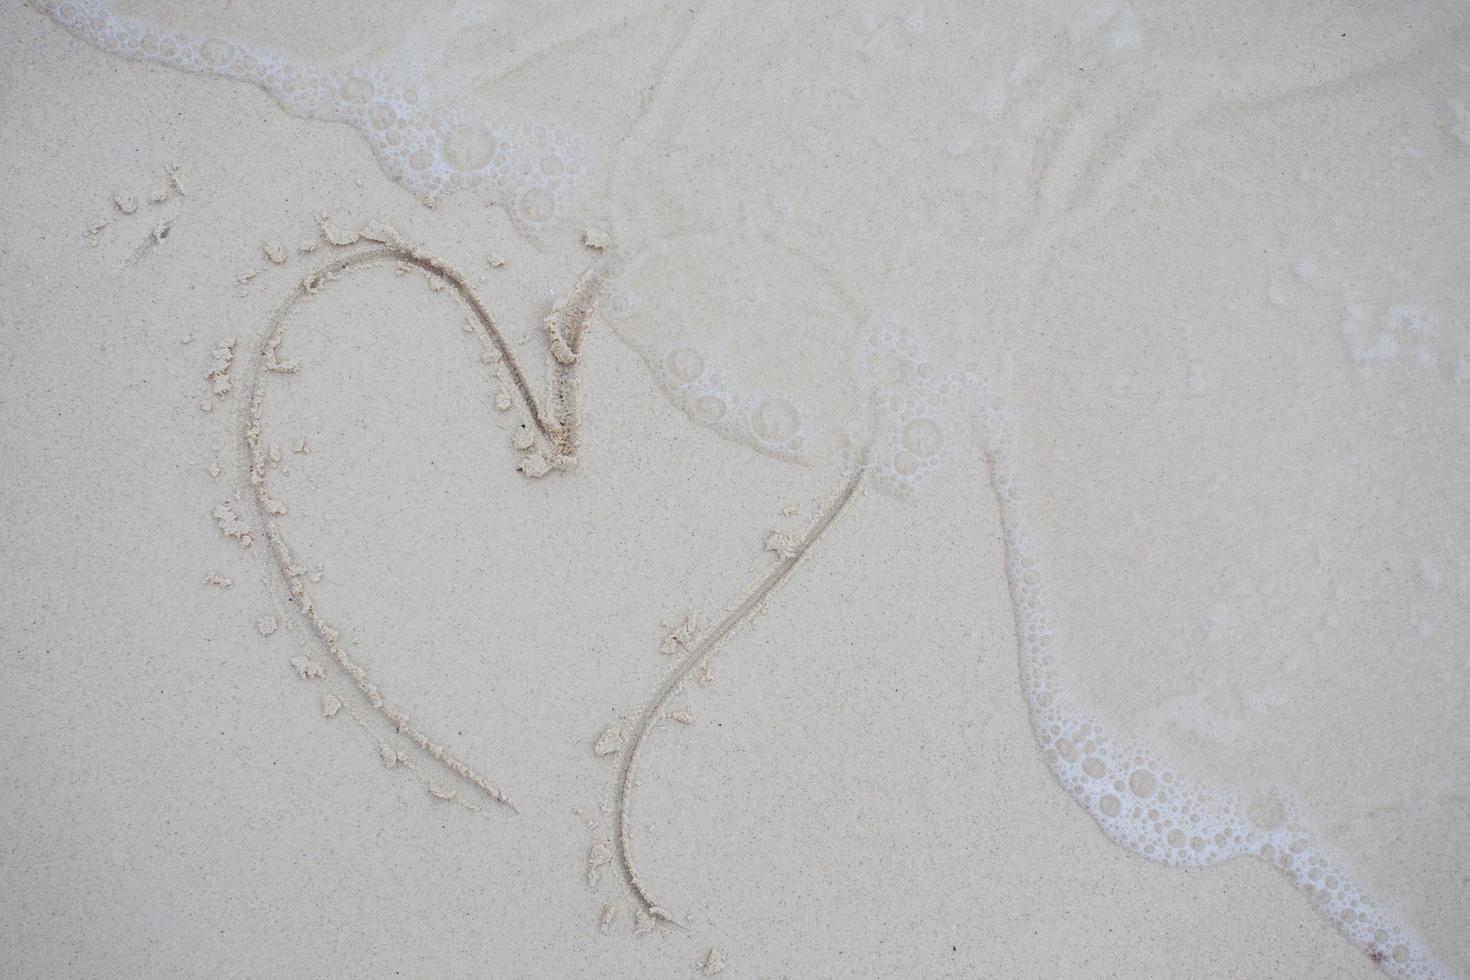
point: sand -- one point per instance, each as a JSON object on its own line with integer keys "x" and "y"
{"x": 614, "y": 570}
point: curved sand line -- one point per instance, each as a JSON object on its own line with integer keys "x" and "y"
{"x": 698, "y": 654}
{"x": 556, "y": 424}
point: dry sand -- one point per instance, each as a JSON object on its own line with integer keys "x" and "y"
{"x": 536, "y": 587}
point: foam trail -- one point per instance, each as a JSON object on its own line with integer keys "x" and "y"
{"x": 1138, "y": 800}
{"x": 423, "y": 138}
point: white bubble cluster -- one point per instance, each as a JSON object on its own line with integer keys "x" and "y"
{"x": 1140, "y": 801}
{"x": 911, "y": 420}
{"x": 702, "y": 386}
{"x": 918, "y": 404}
{"x": 421, "y": 138}
{"x": 745, "y": 336}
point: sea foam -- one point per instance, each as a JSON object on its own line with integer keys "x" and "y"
{"x": 912, "y": 410}
{"x": 422, "y": 136}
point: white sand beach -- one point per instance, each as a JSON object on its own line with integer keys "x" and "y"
{"x": 647, "y": 490}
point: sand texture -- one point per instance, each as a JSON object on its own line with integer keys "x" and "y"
{"x": 633, "y": 490}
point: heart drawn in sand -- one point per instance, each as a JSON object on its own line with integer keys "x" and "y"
{"x": 547, "y": 443}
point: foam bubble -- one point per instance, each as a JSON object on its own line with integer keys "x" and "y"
{"x": 421, "y": 136}
{"x": 923, "y": 437}
{"x": 469, "y": 147}
{"x": 705, "y": 312}
{"x": 697, "y": 383}
{"x": 919, "y": 405}
{"x": 710, "y": 408}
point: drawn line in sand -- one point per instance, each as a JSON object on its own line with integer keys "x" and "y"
{"x": 555, "y": 421}
{"x": 700, "y": 652}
